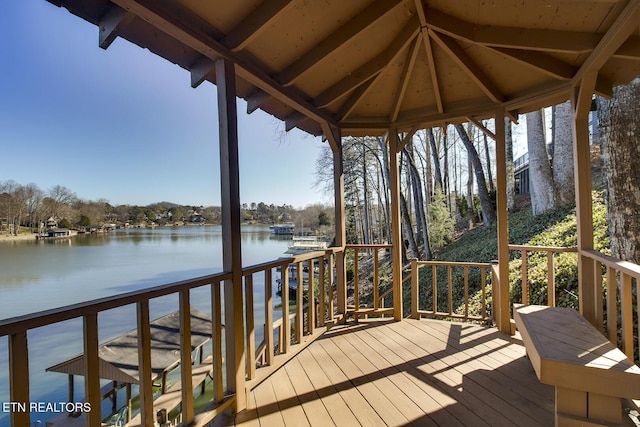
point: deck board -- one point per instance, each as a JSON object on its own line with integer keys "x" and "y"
{"x": 414, "y": 372}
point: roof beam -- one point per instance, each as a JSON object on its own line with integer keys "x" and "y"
{"x": 186, "y": 28}
{"x": 482, "y": 127}
{"x": 110, "y": 24}
{"x": 354, "y": 98}
{"x": 472, "y": 69}
{"x": 256, "y": 99}
{"x": 404, "y": 79}
{"x": 332, "y": 134}
{"x": 512, "y": 37}
{"x": 254, "y": 23}
{"x": 292, "y": 120}
{"x": 429, "y": 51}
{"x": 342, "y": 35}
{"x": 370, "y": 68}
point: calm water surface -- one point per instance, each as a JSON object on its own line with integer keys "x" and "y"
{"x": 36, "y": 276}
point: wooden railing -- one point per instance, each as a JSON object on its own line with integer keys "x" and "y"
{"x": 366, "y": 262}
{"x": 439, "y": 298}
{"x": 551, "y": 252}
{"x": 306, "y": 321}
{"x": 615, "y": 316}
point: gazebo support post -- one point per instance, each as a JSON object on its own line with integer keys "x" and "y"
{"x": 502, "y": 303}
{"x": 396, "y": 235}
{"x": 231, "y": 239}
{"x": 335, "y": 141}
{"x": 581, "y": 102}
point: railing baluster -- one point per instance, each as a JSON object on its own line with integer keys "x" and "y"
{"x": 598, "y": 296}
{"x": 92, "y": 377}
{"x": 525, "y": 276}
{"x": 376, "y": 279}
{"x": 483, "y": 284}
{"x": 414, "y": 289}
{"x": 612, "y": 306}
{"x": 250, "y": 325}
{"x": 216, "y": 341}
{"x": 19, "y": 377}
{"x": 466, "y": 290}
{"x": 627, "y": 315}
{"x": 331, "y": 286}
{"x": 450, "y": 286}
{"x": 285, "y": 332}
{"x": 434, "y": 284}
{"x": 322, "y": 291}
{"x": 356, "y": 280}
{"x": 145, "y": 375}
{"x": 268, "y": 316}
{"x": 551, "y": 279}
{"x": 299, "y": 322}
{"x": 311, "y": 296}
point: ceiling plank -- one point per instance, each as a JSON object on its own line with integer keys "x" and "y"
{"x": 541, "y": 62}
{"x": 512, "y": 37}
{"x": 180, "y": 25}
{"x": 342, "y": 35}
{"x": 624, "y": 25}
{"x": 404, "y": 79}
{"x": 472, "y": 69}
{"x": 370, "y": 68}
{"x": 110, "y": 24}
{"x": 630, "y": 49}
{"x": 254, "y": 23}
{"x": 354, "y": 98}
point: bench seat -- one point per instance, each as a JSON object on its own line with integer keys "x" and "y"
{"x": 589, "y": 373}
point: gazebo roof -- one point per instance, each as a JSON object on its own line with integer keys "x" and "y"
{"x": 366, "y": 66}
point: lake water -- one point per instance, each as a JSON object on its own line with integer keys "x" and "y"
{"x": 36, "y": 276}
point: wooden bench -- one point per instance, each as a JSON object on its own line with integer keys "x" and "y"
{"x": 589, "y": 373}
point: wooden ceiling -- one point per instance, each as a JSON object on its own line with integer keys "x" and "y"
{"x": 365, "y": 66}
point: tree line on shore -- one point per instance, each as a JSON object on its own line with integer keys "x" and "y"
{"x": 29, "y": 207}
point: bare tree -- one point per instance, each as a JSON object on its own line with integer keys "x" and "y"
{"x": 488, "y": 212}
{"x": 563, "y": 154}
{"x": 543, "y": 194}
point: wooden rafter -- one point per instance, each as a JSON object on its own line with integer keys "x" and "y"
{"x": 472, "y": 69}
{"x": 354, "y": 98}
{"x": 254, "y": 23}
{"x": 111, "y": 23}
{"x": 201, "y": 70}
{"x": 256, "y": 99}
{"x": 371, "y": 67}
{"x": 292, "y": 120}
{"x": 420, "y": 8}
{"x": 404, "y": 79}
{"x": 336, "y": 39}
{"x": 186, "y": 28}
{"x": 512, "y": 37}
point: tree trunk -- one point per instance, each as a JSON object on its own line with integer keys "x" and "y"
{"x": 488, "y": 157}
{"x": 436, "y": 160}
{"x": 511, "y": 180}
{"x": 365, "y": 190}
{"x": 470, "y": 208}
{"x": 619, "y": 123}
{"x": 488, "y": 213}
{"x": 563, "y": 154}
{"x": 385, "y": 175}
{"x": 543, "y": 195}
{"x": 421, "y": 220}
{"x": 408, "y": 229}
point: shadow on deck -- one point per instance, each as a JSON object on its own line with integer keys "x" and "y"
{"x": 414, "y": 372}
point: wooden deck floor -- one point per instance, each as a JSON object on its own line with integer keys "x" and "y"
{"x": 414, "y": 372}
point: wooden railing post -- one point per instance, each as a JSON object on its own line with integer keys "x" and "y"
{"x": 19, "y": 377}
{"x": 396, "y": 233}
{"x": 186, "y": 368}
{"x": 268, "y": 317}
{"x": 299, "y": 322}
{"x": 414, "y": 289}
{"x": 311, "y": 296}
{"x": 92, "y": 374}
{"x": 285, "y": 332}
{"x": 250, "y": 326}
{"x": 216, "y": 341}
{"x": 144, "y": 362}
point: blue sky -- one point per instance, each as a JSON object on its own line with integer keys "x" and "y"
{"x": 125, "y": 125}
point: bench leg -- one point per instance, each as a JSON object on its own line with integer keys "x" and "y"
{"x": 579, "y": 408}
